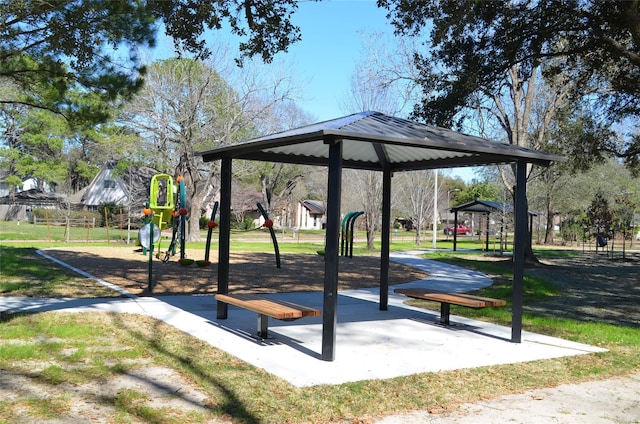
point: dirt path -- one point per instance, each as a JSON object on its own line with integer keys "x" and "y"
{"x": 614, "y": 401}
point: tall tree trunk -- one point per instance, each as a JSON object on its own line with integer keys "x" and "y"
{"x": 548, "y": 235}
{"x": 529, "y": 255}
{"x": 371, "y": 234}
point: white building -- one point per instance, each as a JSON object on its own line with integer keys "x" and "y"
{"x": 310, "y": 215}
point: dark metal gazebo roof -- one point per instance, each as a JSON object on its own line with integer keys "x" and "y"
{"x": 372, "y": 141}
{"x": 486, "y": 206}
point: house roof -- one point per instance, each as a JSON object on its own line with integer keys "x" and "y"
{"x": 485, "y": 206}
{"x": 132, "y": 186}
{"x": 315, "y": 207}
{"x": 32, "y": 197}
{"x": 372, "y": 140}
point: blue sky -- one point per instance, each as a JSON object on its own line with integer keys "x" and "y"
{"x": 331, "y": 46}
{"x": 324, "y": 60}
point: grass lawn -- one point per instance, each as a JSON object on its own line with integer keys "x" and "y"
{"x": 58, "y": 353}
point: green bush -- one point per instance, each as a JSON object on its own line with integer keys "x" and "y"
{"x": 107, "y": 212}
{"x": 244, "y": 225}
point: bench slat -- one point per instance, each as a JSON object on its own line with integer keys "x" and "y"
{"x": 447, "y": 299}
{"x": 274, "y": 308}
{"x": 461, "y": 299}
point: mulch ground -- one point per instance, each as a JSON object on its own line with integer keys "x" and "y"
{"x": 593, "y": 287}
{"x": 248, "y": 272}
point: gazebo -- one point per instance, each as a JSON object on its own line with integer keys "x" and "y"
{"x": 372, "y": 141}
{"x": 485, "y": 207}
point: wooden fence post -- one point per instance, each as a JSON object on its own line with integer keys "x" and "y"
{"x": 106, "y": 223}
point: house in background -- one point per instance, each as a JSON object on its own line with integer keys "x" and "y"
{"x": 129, "y": 189}
{"x": 30, "y": 184}
{"x": 17, "y": 202}
{"x": 243, "y": 206}
{"x": 310, "y": 215}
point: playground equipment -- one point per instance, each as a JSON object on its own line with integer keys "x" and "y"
{"x": 269, "y": 224}
{"x": 346, "y": 239}
{"x": 180, "y": 223}
{"x": 211, "y": 224}
{"x": 168, "y": 205}
{"x": 161, "y": 203}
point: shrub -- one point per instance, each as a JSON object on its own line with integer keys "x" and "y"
{"x": 245, "y": 225}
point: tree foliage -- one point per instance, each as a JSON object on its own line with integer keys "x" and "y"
{"x": 46, "y": 48}
{"x": 473, "y": 43}
{"x": 599, "y": 215}
{"x": 478, "y": 190}
{"x": 187, "y": 106}
{"x": 39, "y": 144}
{"x": 184, "y": 107}
{"x": 479, "y": 41}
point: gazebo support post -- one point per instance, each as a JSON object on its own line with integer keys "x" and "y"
{"x": 224, "y": 234}
{"x": 386, "y": 229}
{"x": 520, "y": 241}
{"x": 330, "y": 303}
{"x": 455, "y": 231}
{"x": 486, "y": 234}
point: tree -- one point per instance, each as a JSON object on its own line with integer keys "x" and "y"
{"x": 271, "y": 178}
{"x": 574, "y": 192}
{"x": 187, "y": 106}
{"x": 515, "y": 102}
{"x": 479, "y": 190}
{"x": 368, "y": 92}
{"x": 89, "y": 148}
{"x": 622, "y": 214}
{"x": 366, "y": 187}
{"x": 47, "y": 48}
{"x": 571, "y": 132}
{"x": 600, "y": 218}
{"x": 386, "y": 78}
{"x": 472, "y": 45}
{"x": 414, "y": 196}
{"x": 33, "y": 144}
{"x": 40, "y": 144}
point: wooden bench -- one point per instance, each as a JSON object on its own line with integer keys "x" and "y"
{"x": 448, "y": 299}
{"x": 266, "y": 307}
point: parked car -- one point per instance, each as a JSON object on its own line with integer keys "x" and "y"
{"x": 491, "y": 232}
{"x": 460, "y": 229}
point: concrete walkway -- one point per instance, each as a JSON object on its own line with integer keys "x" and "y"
{"x": 371, "y": 344}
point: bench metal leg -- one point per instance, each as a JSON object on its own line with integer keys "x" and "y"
{"x": 444, "y": 313}
{"x": 263, "y": 323}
